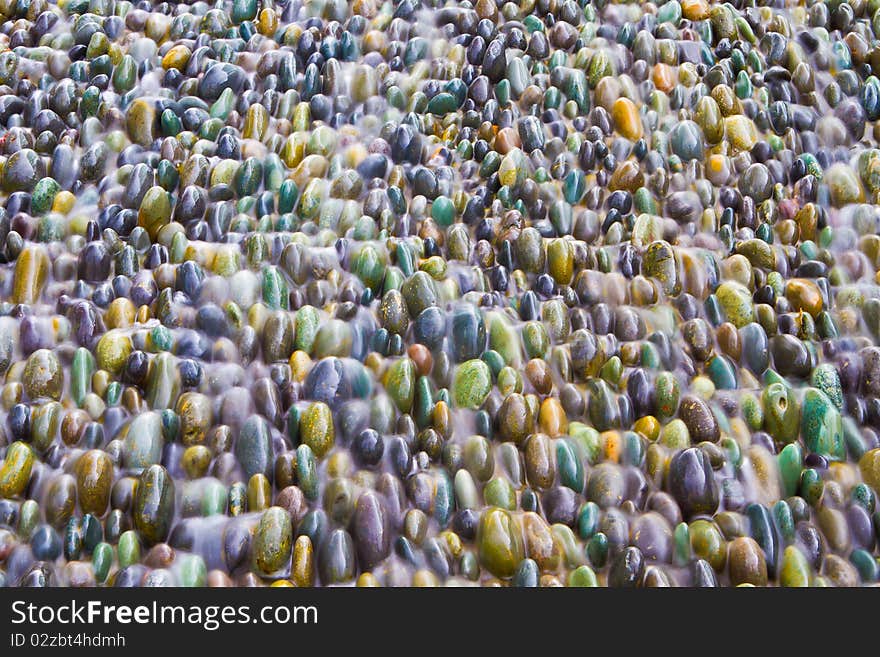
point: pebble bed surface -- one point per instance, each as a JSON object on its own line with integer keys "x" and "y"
{"x": 414, "y": 293}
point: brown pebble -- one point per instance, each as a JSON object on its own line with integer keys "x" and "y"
{"x": 72, "y": 426}
{"x": 506, "y": 140}
{"x": 421, "y": 356}
{"x": 160, "y": 555}
{"x": 218, "y": 579}
{"x": 728, "y": 340}
{"x": 292, "y": 500}
{"x": 538, "y": 374}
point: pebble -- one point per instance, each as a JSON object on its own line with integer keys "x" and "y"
{"x": 525, "y": 293}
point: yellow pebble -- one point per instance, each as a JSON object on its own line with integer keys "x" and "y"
{"x": 551, "y": 418}
{"x": 63, "y": 202}
{"x": 424, "y": 578}
{"x": 703, "y": 387}
{"x": 120, "y": 314}
{"x": 648, "y": 426}
{"x": 694, "y": 10}
{"x": 741, "y": 132}
{"x": 613, "y": 445}
{"x": 300, "y": 364}
{"x": 626, "y": 119}
{"x": 368, "y": 580}
{"x": 78, "y": 224}
{"x": 177, "y": 58}
{"x": 267, "y": 23}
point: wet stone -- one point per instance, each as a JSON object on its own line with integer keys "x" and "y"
{"x": 414, "y": 294}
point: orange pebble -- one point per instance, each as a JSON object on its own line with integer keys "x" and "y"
{"x": 613, "y": 445}
{"x": 551, "y": 418}
{"x": 626, "y": 119}
{"x": 663, "y": 77}
{"x": 422, "y": 358}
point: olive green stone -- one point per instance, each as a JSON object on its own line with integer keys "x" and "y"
{"x": 667, "y": 393}
{"x": 128, "y": 549}
{"x": 833, "y": 526}
{"x": 306, "y": 325}
{"x": 163, "y": 382}
{"x": 400, "y": 383}
{"x": 193, "y": 571}
{"x": 155, "y": 211}
{"x": 582, "y": 576}
{"x": 659, "y": 263}
{"x": 419, "y": 291}
{"x": 112, "y": 351}
{"x": 708, "y": 118}
{"x": 515, "y": 418}
{"x": 15, "y": 473}
{"x": 153, "y": 511}
{"x": 275, "y": 290}
{"x": 316, "y": 428}
{"x": 708, "y": 543}
{"x": 759, "y": 253}
{"x": 535, "y": 340}
{"x": 140, "y": 121}
{"x": 500, "y": 542}
{"x": 278, "y": 337}
{"x": 606, "y": 486}
{"x": 45, "y": 420}
{"x": 466, "y": 494}
{"x": 746, "y": 562}
{"x": 869, "y": 465}
{"x": 540, "y": 461}
{"x": 560, "y": 260}
{"x": 781, "y": 413}
{"x": 369, "y": 267}
{"x": 795, "y": 570}
{"x": 736, "y": 302}
{"x": 393, "y": 313}
{"x": 273, "y": 542}
{"x": 194, "y": 410}
{"x": 471, "y": 384}
{"x": 29, "y": 277}
{"x": 504, "y": 339}
{"x": 741, "y": 132}
{"x": 530, "y": 251}
{"x": 334, "y": 338}
{"x": 479, "y": 458}
{"x": 43, "y": 376}
{"x": 844, "y": 185}
{"x": 43, "y": 195}
{"x": 94, "y": 478}
{"x": 675, "y": 435}
{"x": 499, "y": 492}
